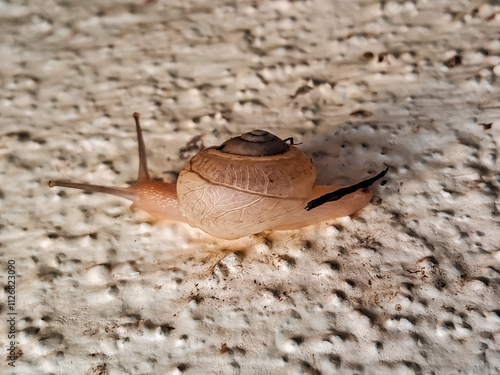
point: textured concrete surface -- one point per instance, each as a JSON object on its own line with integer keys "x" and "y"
{"x": 408, "y": 285}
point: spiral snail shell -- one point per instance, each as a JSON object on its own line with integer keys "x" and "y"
{"x": 249, "y": 184}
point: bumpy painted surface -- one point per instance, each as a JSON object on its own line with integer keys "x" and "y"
{"x": 409, "y": 285}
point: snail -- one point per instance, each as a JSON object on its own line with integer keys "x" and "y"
{"x": 249, "y": 184}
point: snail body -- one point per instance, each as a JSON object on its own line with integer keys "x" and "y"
{"x": 249, "y": 184}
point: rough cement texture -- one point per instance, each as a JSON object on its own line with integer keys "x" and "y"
{"x": 408, "y": 285}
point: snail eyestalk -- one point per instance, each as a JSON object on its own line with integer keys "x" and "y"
{"x": 143, "y": 162}
{"x": 129, "y": 192}
{"x": 126, "y": 193}
{"x": 157, "y": 198}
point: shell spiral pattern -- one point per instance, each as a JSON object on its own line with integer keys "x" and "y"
{"x": 234, "y": 196}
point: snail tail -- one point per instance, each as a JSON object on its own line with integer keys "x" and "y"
{"x": 338, "y": 194}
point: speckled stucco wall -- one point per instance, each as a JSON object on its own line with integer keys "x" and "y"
{"x": 408, "y": 285}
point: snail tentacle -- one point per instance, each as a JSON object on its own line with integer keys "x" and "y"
{"x": 157, "y": 198}
{"x": 143, "y": 161}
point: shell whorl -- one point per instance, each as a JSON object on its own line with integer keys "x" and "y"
{"x": 233, "y": 194}
{"x": 255, "y": 143}
{"x": 286, "y": 175}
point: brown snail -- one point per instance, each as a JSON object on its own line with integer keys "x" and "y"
{"x": 249, "y": 184}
